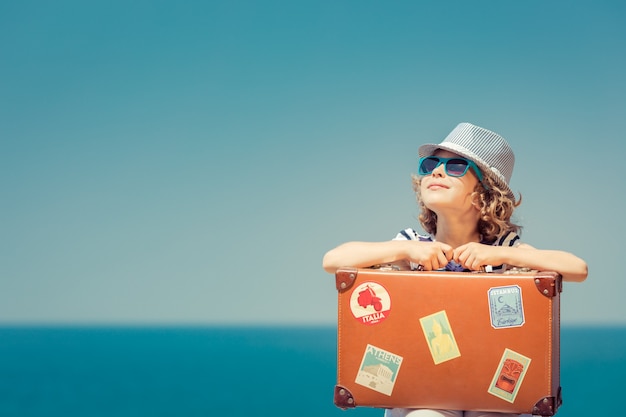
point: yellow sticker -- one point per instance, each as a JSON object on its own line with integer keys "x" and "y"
{"x": 440, "y": 338}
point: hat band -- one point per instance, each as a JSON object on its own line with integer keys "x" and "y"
{"x": 463, "y": 151}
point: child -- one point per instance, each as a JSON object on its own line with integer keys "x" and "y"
{"x": 466, "y": 207}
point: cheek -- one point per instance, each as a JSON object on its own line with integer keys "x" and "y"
{"x": 471, "y": 180}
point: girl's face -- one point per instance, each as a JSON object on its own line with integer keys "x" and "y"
{"x": 441, "y": 192}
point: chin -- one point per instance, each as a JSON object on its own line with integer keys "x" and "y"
{"x": 433, "y": 203}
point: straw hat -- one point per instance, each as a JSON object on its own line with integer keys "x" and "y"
{"x": 487, "y": 149}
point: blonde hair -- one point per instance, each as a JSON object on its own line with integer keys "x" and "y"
{"x": 496, "y": 210}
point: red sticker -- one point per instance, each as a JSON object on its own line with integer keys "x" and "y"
{"x": 370, "y": 303}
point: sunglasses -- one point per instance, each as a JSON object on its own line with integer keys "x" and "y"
{"x": 455, "y": 167}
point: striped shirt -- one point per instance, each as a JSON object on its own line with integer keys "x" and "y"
{"x": 506, "y": 239}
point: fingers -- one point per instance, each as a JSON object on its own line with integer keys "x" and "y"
{"x": 448, "y": 252}
{"x": 437, "y": 258}
{"x": 460, "y": 254}
{"x": 473, "y": 256}
{"x": 444, "y": 257}
{"x": 466, "y": 258}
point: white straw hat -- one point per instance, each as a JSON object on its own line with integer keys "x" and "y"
{"x": 487, "y": 149}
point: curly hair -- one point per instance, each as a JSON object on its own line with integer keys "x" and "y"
{"x": 496, "y": 210}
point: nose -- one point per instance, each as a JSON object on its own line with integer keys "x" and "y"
{"x": 439, "y": 171}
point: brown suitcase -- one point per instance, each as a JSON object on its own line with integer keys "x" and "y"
{"x": 449, "y": 340}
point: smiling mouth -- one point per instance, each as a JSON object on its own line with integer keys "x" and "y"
{"x": 431, "y": 186}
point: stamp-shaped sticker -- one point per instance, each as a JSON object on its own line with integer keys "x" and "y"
{"x": 506, "y": 307}
{"x": 379, "y": 370}
{"x": 508, "y": 378}
{"x": 370, "y": 303}
{"x": 440, "y": 337}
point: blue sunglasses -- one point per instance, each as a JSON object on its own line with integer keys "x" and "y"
{"x": 455, "y": 167}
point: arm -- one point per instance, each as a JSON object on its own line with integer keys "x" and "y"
{"x": 475, "y": 255}
{"x": 431, "y": 255}
{"x": 571, "y": 267}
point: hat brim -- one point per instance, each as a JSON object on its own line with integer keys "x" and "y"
{"x": 429, "y": 149}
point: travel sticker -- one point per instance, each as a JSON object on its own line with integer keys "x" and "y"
{"x": 439, "y": 337}
{"x": 379, "y": 370}
{"x": 370, "y": 303}
{"x": 506, "y": 307}
{"x": 509, "y": 376}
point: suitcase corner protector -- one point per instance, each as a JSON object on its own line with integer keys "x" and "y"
{"x": 343, "y": 397}
{"x": 547, "y": 406}
{"x": 549, "y": 284}
{"x": 344, "y": 278}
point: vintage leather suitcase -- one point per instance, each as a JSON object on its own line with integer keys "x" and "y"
{"x": 449, "y": 340}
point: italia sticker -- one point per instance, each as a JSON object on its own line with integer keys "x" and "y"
{"x": 370, "y": 303}
{"x": 379, "y": 370}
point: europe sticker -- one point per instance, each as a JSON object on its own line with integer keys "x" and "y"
{"x": 506, "y": 307}
{"x": 440, "y": 337}
{"x": 379, "y": 370}
{"x": 370, "y": 303}
{"x": 508, "y": 378}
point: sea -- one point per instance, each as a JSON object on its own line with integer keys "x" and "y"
{"x": 126, "y": 371}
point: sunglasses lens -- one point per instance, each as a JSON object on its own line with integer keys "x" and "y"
{"x": 428, "y": 165}
{"x": 456, "y": 167}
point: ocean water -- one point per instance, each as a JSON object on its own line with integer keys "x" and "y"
{"x": 235, "y": 371}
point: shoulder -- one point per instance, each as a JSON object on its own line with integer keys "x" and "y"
{"x": 411, "y": 234}
{"x": 511, "y": 239}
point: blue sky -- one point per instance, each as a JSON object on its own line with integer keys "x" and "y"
{"x": 191, "y": 161}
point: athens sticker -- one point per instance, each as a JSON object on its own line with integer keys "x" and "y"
{"x": 508, "y": 378}
{"x": 379, "y": 370}
{"x": 506, "y": 307}
{"x": 439, "y": 337}
{"x": 370, "y": 303}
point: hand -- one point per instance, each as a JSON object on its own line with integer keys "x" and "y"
{"x": 474, "y": 255}
{"x": 430, "y": 255}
